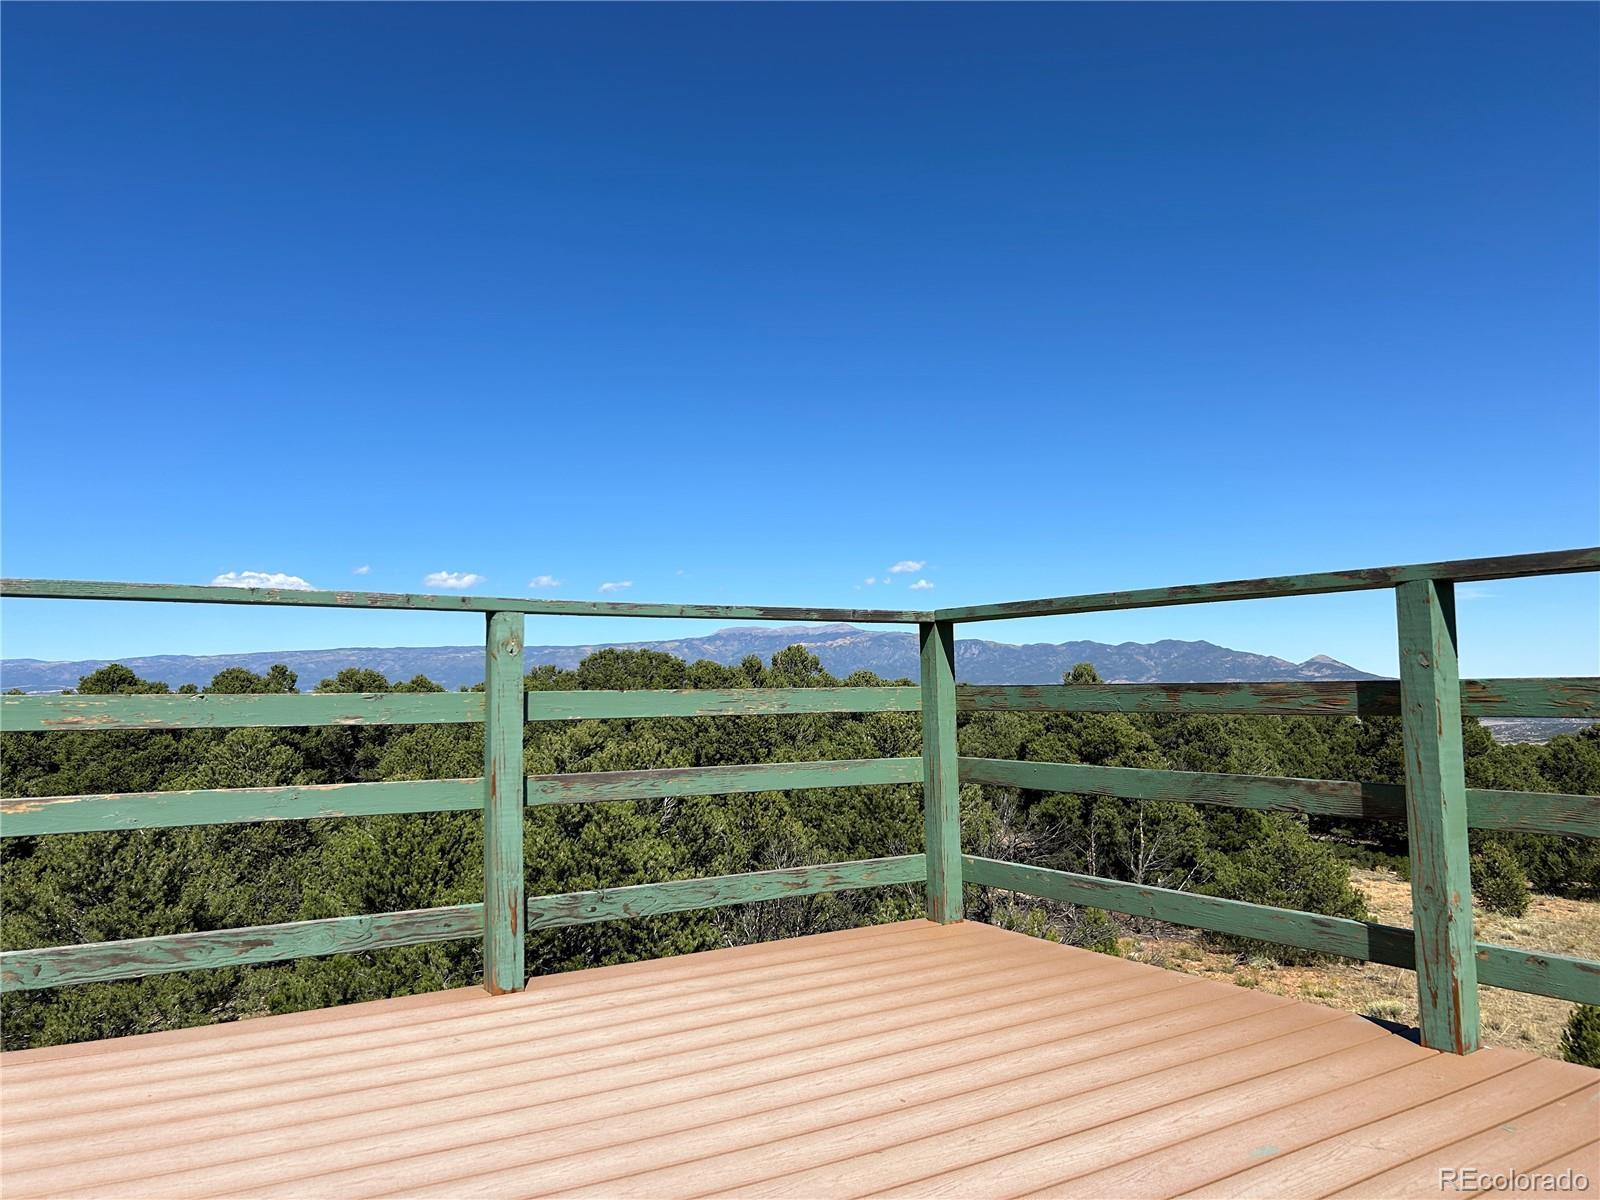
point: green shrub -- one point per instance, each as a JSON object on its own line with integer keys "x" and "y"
{"x": 1096, "y": 930}
{"x": 1285, "y": 867}
{"x": 1581, "y": 1041}
{"x": 1499, "y": 881}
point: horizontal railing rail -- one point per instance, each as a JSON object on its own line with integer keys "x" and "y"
{"x": 1507, "y": 811}
{"x": 1555, "y": 562}
{"x": 589, "y": 787}
{"x": 103, "y": 962}
{"x": 653, "y": 899}
{"x": 36, "y": 816}
{"x": 182, "y": 593}
{"x": 719, "y": 702}
{"x": 206, "y": 710}
{"x": 1555, "y": 975}
{"x": 1573, "y": 697}
{"x": 1429, "y": 698}
{"x": 1570, "y": 697}
{"x": 1512, "y": 812}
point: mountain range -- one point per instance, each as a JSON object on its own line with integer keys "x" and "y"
{"x": 843, "y": 649}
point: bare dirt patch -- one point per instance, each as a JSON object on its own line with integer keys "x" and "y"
{"x": 1510, "y": 1019}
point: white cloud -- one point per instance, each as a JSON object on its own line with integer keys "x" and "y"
{"x": 922, "y": 585}
{"x": 870, "y": 580}
{"x": 1473, "y": 593}
{"x": 544, "y": 581}
{"x": 616, "y": 585}
{"x": 452, "y": 579}
{"x": 905, "y": 566}
{"x": 362, "y": 570}
{"x": 262, "y": 579}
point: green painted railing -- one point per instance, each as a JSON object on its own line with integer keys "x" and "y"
{"x": 1435, "y": 802}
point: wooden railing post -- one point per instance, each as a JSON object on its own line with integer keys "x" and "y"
{"x": 504, "y": 902}
{"x": 941, "y": 785}
{"x": 1436, "y": 815}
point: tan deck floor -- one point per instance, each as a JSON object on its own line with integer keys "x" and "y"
{"x": 906, "y": 1059}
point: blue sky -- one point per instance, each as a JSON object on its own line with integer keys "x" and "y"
{"x": 749, "y": 304}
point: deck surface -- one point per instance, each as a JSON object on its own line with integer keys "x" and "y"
{"x": 907, "y": 1059}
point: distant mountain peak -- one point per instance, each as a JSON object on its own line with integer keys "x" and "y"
{"x": 843, "y": 649}
{"x": 835, "y": 627}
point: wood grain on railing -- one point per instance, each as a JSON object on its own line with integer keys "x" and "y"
{"x": 504, "y": 895}
{"x": 1515, "y": 812}
{"x": 206, "y": 710}
{"x": 33, "y": 816}
{"x": 1568, "y": 697}
{"x": 941, "y": 787}
{"x": 1436, "y": 815}
{"x": 589, "y": 787}
{"x": 1567, "y": 978}
{"x": 650, "y": 899}
{"x": 98, "y": 962}
{"x": 719, "y": 702}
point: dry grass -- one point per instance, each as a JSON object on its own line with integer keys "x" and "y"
{"x": 1511, "y": 1019}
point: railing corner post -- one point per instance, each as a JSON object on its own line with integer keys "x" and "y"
{"x": 1436, "y": 815}
{"x": 941, "y": 784}
{"x": 504, "y": 901}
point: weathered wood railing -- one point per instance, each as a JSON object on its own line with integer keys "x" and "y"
{"x": 1435, "y": 802}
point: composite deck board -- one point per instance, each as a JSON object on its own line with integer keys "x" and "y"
{"x": 1304, "y": 1131}
{"x": 298, "y": 1028}
{"x": 1569, "y": 1123}
{"x": 450, "y": 1096}
{"x": 909, "y": 1059}
{"x": 709, "y": 1004}
{"x": 1580, "y": 1161}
